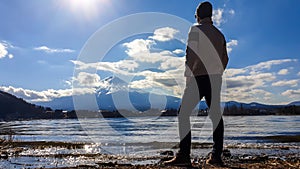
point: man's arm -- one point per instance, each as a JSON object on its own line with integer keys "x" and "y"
{"x": 190, "y": 54}
{"x": 225, "y": 56}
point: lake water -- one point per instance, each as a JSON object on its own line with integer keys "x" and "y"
{"x": 113, "y": 131}
{"x": 147, "y": 135}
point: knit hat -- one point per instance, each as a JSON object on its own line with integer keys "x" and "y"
{"x": 204, "y": 10}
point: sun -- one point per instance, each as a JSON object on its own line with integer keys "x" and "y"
{"x": 86, "y": 9}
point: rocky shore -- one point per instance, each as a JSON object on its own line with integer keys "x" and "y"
{"x": 18, "y": 154}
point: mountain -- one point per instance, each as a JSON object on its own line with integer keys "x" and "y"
{"x": 116, "y": 96}
{"x": 64, "y": 103}
{"x": 12, "y": 108}
{"x": 296, "y": 103}
{"x": 252, "y": 105}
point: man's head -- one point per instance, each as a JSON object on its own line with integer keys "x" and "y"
{"x": 204, "y": 10}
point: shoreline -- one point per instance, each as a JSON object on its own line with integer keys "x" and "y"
{"x": 43, "y": 154}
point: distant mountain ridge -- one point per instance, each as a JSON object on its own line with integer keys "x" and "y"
{"x": 253, "y": 105}
{"x": 114, "y": 97}
{"x": 12, "y": 107}
{"x": 140, "y": 100}
{"x": 296, "y": 103}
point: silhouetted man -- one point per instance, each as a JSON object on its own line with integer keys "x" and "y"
{"x": 206, "y": 59}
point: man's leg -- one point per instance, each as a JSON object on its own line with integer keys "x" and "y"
{"x": 190, "y": 99}
{"x": 215, "y": 114}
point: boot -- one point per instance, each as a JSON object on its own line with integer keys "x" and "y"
{"x": 179, "y": 160}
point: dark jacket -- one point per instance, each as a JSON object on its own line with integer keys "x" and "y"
{"x": 206, "y": 51}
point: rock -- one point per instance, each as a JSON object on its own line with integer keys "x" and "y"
{"x": 4, "y": 155}
{"x": 167, "y": 153}
{"x": 226, "y": 153}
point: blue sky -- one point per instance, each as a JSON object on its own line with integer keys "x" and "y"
{"x": 40, "y": 42}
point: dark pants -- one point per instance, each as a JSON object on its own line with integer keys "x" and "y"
{"x": 197, "y": 88}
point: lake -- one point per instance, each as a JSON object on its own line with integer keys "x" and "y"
{"x": 238, "y": 129}
{"x": 147, "y": 136}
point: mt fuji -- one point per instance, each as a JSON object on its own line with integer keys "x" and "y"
{"x": 116, "y": 95}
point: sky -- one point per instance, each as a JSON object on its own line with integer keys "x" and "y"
{"x": 42, "y": 45}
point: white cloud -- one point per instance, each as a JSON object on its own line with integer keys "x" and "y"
{"x": 172, "y": 63}
{"x": 218, "y": 16}
{"x": 164, "y": 34}
{"x": 127, "y": 65}
{"x": 164, "y": 83}
{"x": 178, "y": 51}
{"x": 247, "y": 95}
{"x": 122, "y": 67}
{"x": 268, "y": 64}
{"x": 138, "y": 45}
{"x": 252, "y": 83}
{"x": 4, "y": 50}
{"x": 46, "y": 95}
{"x": 52, "y": 50}
{"x": 10, "y": 56}
{"x": 232, "y": 72}
{"x": 291, "y": 83}
{"x": 292, "y": 93}
{"x": 231, "y": 11}
{"x": 283, "y": 72}
{"x": 85, "y": 79}
{"x": 139, "y": 50}
{"x": 231, "y": 44}
{"x": 298, "y": 74}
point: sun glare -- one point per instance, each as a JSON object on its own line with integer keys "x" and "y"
{"x": 87, "y": 9}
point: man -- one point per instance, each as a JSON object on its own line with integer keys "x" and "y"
{"x": 206, "y": 59}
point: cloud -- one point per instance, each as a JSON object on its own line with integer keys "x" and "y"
{"x": 164, "y": 83}
{"x": 139, "y": 50}
{"x": 122, "y": 67}
{"x": 164, "y": 34}
{"x": 52, "y": 50}
{"x": 10, "y": 56}
{"x": 268, "y": 64}
{"x": 298, "y": 74}
{"x": 253, "y": 83}
{"x": 231, "y": 12}
{"x": 85, "y": 79}
{"x": 231, "y": 44}
{"x": 291, "y": 83}
{"x": 4, "y": 50}
{"x": 172, "y": 63}
{"x": 46, "y": 95}
{"x": 283, "y": 72}
{"x": 250, "y": 81}
{"x": 218, "y": 16}
{"x": 178, "y": 51}
{"x": 247, "y": 95}
{"x": 291, "y": 93}
{"x": 232, "y": 72}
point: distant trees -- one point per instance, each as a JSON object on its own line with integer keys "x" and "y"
{"x": 289, "y": 110}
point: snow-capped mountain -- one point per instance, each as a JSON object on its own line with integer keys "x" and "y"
{"x": 115, "y": 94}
